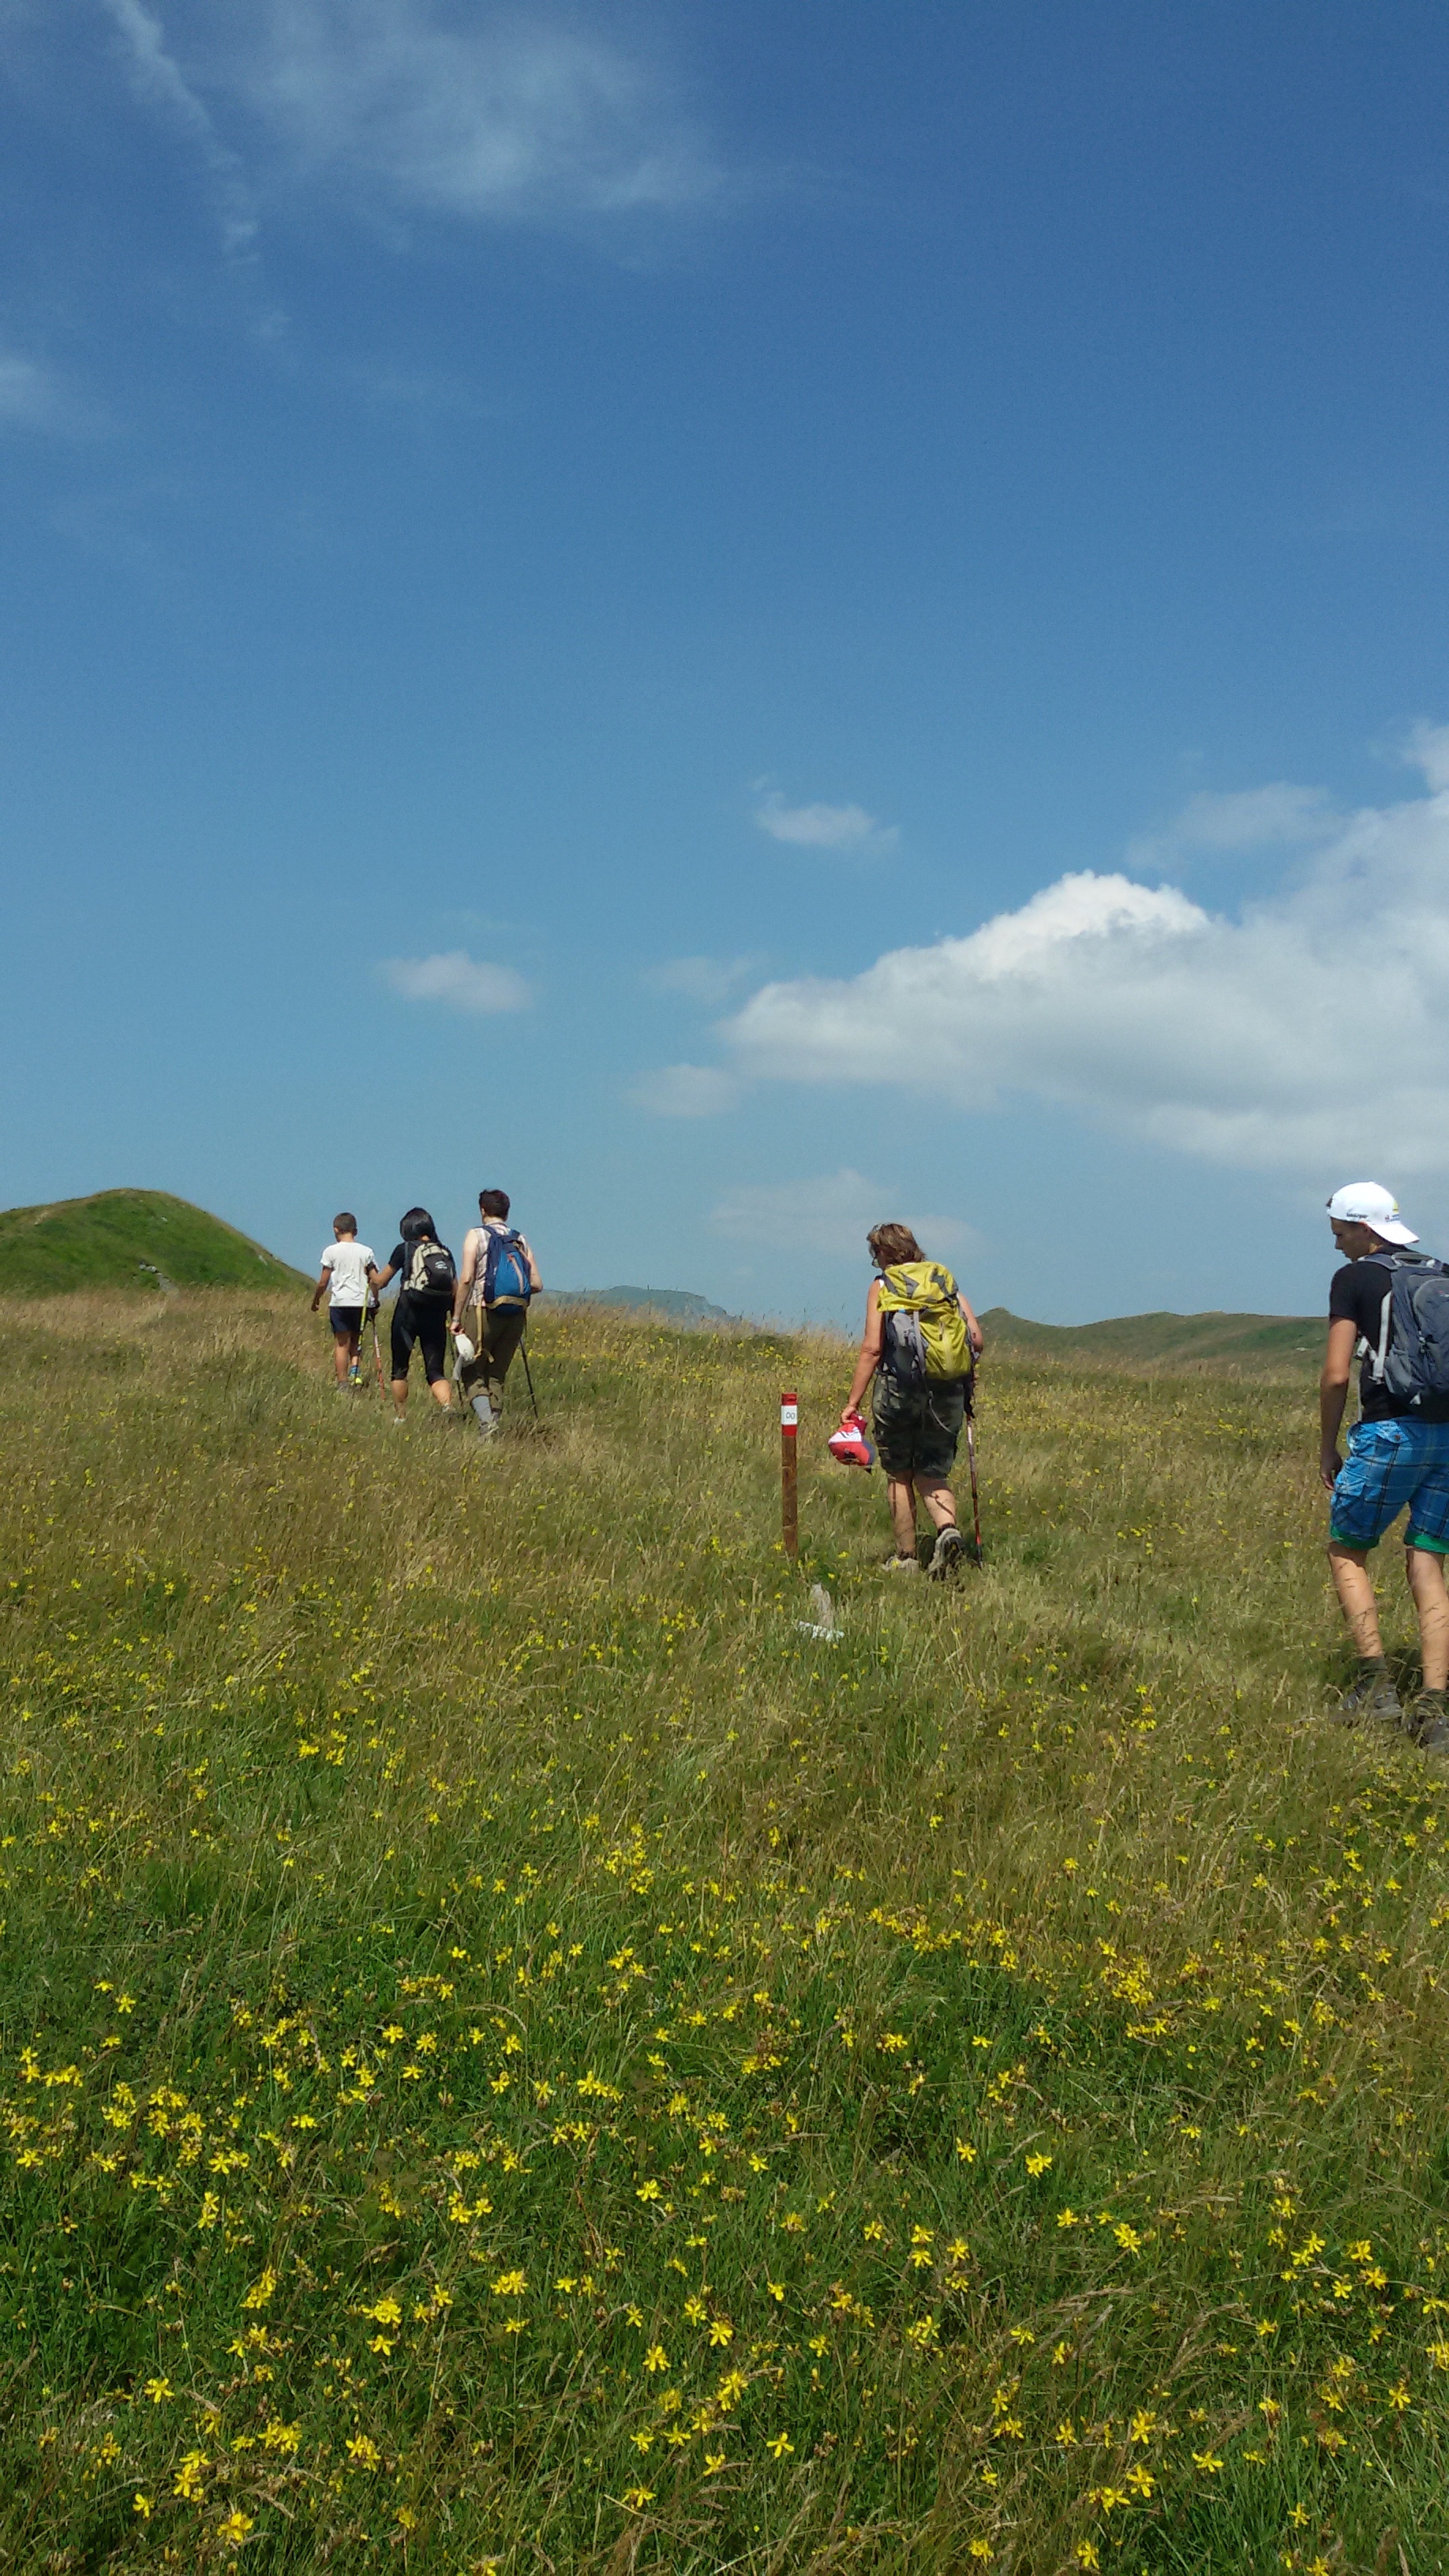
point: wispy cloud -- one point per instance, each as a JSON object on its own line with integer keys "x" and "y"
{"x": 1308, "y": 1035}
{"x": 495, "y": 114}
{"x": 158, "y": 80}
{"x": 686, "y": 1091}
{"x": 1276, "y": 817}
{"x": 459, "y": 982}
{"x": 30, "y": 398}
{"x": 831, "y": 1213}
{"x": 824, "y": 827}
{"x": 710, "y": 980}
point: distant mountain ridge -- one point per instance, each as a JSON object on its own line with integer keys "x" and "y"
{"x": 130, "y": 1239}
{"x": 682, "y": 1305}
{"x": 1164, "y": 1340}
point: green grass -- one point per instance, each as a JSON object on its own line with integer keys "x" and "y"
{"x": 514, "y": 2055}
{"x": 128, "y": 1239}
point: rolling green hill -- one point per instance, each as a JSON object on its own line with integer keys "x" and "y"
{"x": 129, "y": 1239}
{"x": 1256, "y": 1342}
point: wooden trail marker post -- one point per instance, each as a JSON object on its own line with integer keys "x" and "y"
{"x": 789, "y": 1501}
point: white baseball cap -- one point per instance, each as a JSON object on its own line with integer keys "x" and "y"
{"x": 1368, "y": 1203}
{"x": 462, "y": 1344}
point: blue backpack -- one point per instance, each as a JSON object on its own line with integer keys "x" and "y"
{"x": 505, "y": 1271}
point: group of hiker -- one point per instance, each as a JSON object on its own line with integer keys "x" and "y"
{"x": 483, "y": 1300}
{"x": 1388, "y": 1307}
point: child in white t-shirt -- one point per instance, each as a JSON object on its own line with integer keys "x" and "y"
{"x": 347, "y": 1277}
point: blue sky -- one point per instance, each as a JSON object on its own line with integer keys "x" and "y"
{"x": 740, "y": 618}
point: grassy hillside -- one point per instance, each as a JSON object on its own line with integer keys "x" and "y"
{"x": 124, "y": 1239}
{"x": 1252, "y": 1342}
{"x": 514, "y": 2055}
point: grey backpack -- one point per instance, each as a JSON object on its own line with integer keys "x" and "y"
{"x": 1411, "y": 1361}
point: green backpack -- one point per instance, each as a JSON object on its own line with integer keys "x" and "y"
{"x": 925, "y": 1331}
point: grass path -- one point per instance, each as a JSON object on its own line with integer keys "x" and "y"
{"x": 513, "y": 2055}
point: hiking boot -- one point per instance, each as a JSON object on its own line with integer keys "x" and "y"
{"x": 1429, "y": 1711}
{"x": 946, "y": 1555}
{"x": 1372, "y": 1698}
{"x": 1433, "y": 1739}
{"x": 903, "y": 1565}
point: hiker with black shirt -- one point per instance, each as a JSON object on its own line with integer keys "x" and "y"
{"x": 1391, "y": 1305}
{"x": 496, "y": 1278}
{"x": 425, "y": 1270}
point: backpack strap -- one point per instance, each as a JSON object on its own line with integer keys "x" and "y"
{"x": 1378, "y": 1358}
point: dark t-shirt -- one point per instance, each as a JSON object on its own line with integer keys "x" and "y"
{"x": 1356, "y": 1295}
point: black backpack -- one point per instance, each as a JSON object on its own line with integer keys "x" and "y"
{"x": 431, "y": 1270}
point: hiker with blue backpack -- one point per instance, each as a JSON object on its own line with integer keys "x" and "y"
{"x": 920, "y": 1345}
{"x": 1390, "y": 1305}
{"x": 496, "y": 1279}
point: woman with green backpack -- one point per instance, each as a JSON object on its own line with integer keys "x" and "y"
{"x": 920, "y": 1344}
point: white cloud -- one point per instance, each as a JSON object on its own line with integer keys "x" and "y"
{"x": 459, "y": 982}
{"x": 686, "y": 1091}
{"x": 832, "y": 1213}
{"x": 497, "y": 113}
{"x": 157, "y": 79}
{"x": 1309, "y": 1035}
{"x": 709, "y": 980}
{"x": 1252, "y": 818}
{"x": 824, "y": 827}
{"x": 1427, "y": 749}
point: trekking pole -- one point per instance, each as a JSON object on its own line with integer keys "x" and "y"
{"x": 971, "y": 1454}
{"x": 528, "y": 1373}
{"x": 377, "y": 1347}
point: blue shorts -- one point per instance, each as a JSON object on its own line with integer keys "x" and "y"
{"x": 344, "y": 1320}
{"x": 1390, "y": 1464}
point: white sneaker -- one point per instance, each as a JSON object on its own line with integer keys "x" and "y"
{"x": 903, "y": 1565}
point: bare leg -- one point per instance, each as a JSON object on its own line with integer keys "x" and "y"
{"x": 441, "y": 1393}
{"x": 339, "y": 1359}
{"x": 939, "y": 1500}
{"x": 400, "y": 1396}
{"x": 1425, "y": 1571}
{"x": 1349, "y": 1568}
{"x": 901, "y": 1494}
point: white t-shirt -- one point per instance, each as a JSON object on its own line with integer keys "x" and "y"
{"x": 349, "y": 1264}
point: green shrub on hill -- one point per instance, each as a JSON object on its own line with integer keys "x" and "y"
{"x": 128, "y": 1239}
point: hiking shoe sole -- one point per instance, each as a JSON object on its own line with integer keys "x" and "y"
{"x": 946, "y": 1555}
{"x": 902, "y": 1565}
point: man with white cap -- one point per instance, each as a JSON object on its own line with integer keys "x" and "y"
{"x": 1392, "y": 1311}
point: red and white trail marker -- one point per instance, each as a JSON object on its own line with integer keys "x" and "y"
{"x": 789, "y": 1510}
